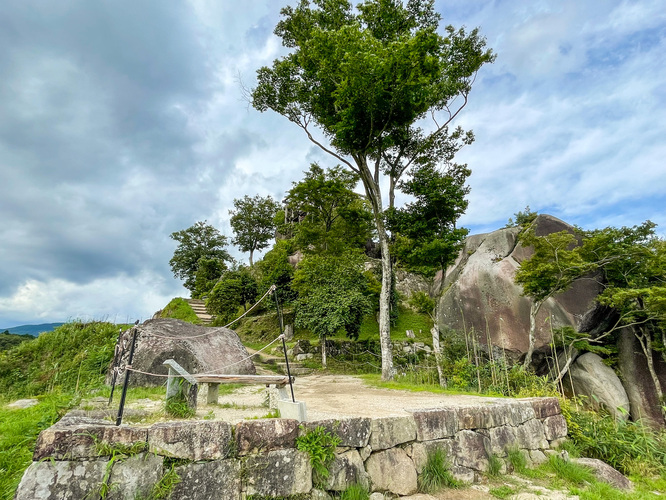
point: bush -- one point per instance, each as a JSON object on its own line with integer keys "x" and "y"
{"x": 320, "y": 445}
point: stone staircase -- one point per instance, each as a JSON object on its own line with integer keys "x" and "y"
{"x": 199, "y": 308}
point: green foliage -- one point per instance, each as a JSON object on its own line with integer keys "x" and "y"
{"x": 180, "y": 309}
{"x": 165, "y": 485}
{"x": 200, "y": 241}
{"x": 435, "y": 474}
{"x": 234, "y": 289}
{"x": 324, "y": 214}
{"x": 426, "y": 237}
{"x": 104, "y": 448}
{"x": 253, "y": 222}
{"x": 276, "y": 270}
{"x": 630, "y": 447}
{"x": 177, "y": 406}
{"x": 504, "y": 491}
{"x": 355, "y": 492}
{"x": 331, "y": 294}
{"x": 569, "y": 471}
{"x": 494, "y": 465}
{"x": 9, "y": 340}
{"x": 523, "y": 218}
{"x": 207, "y": 273}
{"x": 421, "y": 302}
{"x": 19, "y": 429}
{"x": 516, "y": 458}
{"x": 320, "y": 445}
{"x": 74, "y": 356}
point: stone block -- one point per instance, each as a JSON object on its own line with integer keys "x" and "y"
{"x": 135, "y": 476}
{"x": 346, "y": 469}
{"x": 295, "y": 410}
{"x": 546, "y": 407}
{"x": 502, "y": 438}
{"x": 605, "y": 473}
{"x": 435, "y": 424}
{"x": 192, "y": 440}
{"x": 531, "y": 435}
{"x": 463, "y": 474}
{"x": 555, "y": 427}
{"x": 472, "y": 450}
{"x": 419, "y": 452}
{"x": 353, "y": 432}
{"x": 77, "y": 438}
{"x": 537, "y": 457}
{"x": 279, "y": 473}
{"x": 55, "y": 480}
{"x": 216, "y": 480}
{"x": 521, "y": 412}
{"x": 479, "y": 416}
{"x": 392, "y": 470}
{"x": 388, "y": 432}
{"x": 254, "y": 436}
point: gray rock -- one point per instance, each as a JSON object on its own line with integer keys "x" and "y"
{"x": 538, "y": 457}
{"x": 376, "y": 496}
{"x": 135, "y": 476}
{"x": 353, "y": 432}
{"x": 393, "y": 471}
{"x": 192, "y": 440}
{"x": 253, "y": 436}
{"x": 74, "y": 437}
{"x": 216, "y": 480}
{"x": 501, "y": 439}
{"x": 198, "y": 349}
{"x": 555, "y": 427}
{"x": 605, "y": 473}
{"x": 347, "y": 469}
{"x": 544, "y": 407}
{"x": 480, "y": 294}
{"x": 531, "y": 435}
{"x": 592, "y": 378}
{"x": 388, "y": 432}
{"x": 464, "y": 474}
{"x": 278, "y": 473}
{"x": 435, "y": 424}
{"x": 472, "y": 450}
{"x": 23, "y": 403}
{"x": 57, "y": 480}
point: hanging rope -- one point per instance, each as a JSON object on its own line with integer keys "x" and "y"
{"x": 211, "y": 332}
{"x": 279, "y": 337}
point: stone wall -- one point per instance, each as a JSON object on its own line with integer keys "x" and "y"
{"x": 215, "y": 459}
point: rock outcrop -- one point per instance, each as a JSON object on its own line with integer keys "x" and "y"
{"x": 196, "y": 348}
{"x": 478, "y": 293}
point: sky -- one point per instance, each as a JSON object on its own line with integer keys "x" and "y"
{"x": 123, "y": 121}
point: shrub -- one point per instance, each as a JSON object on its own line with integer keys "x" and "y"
{"x": 320, "y": 445}
{"x": 436, "y": 474}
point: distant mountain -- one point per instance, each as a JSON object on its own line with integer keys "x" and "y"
{"x": 33, "y": 330}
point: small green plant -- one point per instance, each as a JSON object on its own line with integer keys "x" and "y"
{"x": 178, "y": 407}
{"x": 435, "y": 474}
{"x": 569, "y": 471}
{"x": 494, "y": 465}
{"x": 320, "y": 445}
{"x": 165, "y": 485}
{"x": 517, "y": 459}
{"x": 275, "y": 413}
{"x": 504, "y": 491}
{"x": 104, "y": 448}
{"x": 355, "y": 492}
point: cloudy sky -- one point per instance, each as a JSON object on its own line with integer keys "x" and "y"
{"x": 121, "y": 122}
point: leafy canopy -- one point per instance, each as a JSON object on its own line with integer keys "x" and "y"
{"x": 253, "y": 222}
{"x": 200, "y": 241}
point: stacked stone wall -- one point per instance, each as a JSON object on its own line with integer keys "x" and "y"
{"x": 215, "y": 459}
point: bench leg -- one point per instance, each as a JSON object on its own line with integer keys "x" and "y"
{"x": 213, "y": 391}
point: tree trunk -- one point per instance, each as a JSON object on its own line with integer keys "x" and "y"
{"x": 373, "y": 192}
{"x": 645, "y": 341}
{"x": 438, "y": 353}
{"x": 534, "y": 310}
{"x": 323, "y": 351}
{"x": 251, "y": 252}
{"x": 391, "y": 192}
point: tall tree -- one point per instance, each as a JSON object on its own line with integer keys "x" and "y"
{"x": 367, "y": 77}
{"x": 426, "y": 238}
{"x": 199, "y": 241}
{"x": 253, "y": 222}
{"x": 327, "y": 215}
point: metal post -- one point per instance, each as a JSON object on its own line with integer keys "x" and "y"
{"x": 284, "y": 345}
{"x": 117, "y": 356}
{"x": 121, "y": 408}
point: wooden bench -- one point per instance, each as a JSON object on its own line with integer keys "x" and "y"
{"x": 180, "y": 381}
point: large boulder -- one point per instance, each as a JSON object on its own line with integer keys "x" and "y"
{"x": 198, "y": 349}
{"x": 479, "y": 294}
{"x": 590, "y": 377}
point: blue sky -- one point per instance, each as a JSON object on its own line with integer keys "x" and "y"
{"x": 121, "y": 122}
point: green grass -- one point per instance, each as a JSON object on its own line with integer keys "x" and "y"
{"x": 18, "y": 433}
{"x": 420, "y": 324}
{"x": 517, "y": 459}
{"x": 355, "y": 492}
{"x": 180, "y": 309}
{"x": 503, "y": 491}
{"x": 435, "y": 474}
